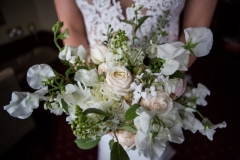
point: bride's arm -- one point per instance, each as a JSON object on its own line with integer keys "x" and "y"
{"x": 197, "y": 13}
{"x": 69, "y": 13}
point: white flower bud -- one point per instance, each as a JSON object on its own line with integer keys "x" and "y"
{"x": 98, "y": 53}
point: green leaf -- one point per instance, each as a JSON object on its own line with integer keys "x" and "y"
{"x": 128, "y": 22}
{"x": 94, "y": 110}
{"x": 127, "y": 127}
{"x": 111, "y": 142}
{"x": 140, "y": 22}
{"x": 65, "y": 106}
{"x": 87, "y": 143}
{"x": 118, "y": 153}
{"x": 131, "y": 112}
{"x": 57, "y": 26}
{"x": 177, "y": 74}
{"x": 63, "y": 35}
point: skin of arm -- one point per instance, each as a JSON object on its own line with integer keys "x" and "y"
{"x": 197, "y": 13}
{"x": 69, "y": 13}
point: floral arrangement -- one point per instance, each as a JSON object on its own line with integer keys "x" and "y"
{"x": 132, "y": 90}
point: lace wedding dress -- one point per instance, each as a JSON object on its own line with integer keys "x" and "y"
{"x": 98, "y": 14}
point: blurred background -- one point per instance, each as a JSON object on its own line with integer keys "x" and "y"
{"x": 26, "y": 39}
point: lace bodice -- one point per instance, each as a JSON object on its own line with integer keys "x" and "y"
{"x": 98, "y": 14}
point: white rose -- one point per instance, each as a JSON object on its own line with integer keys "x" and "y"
{"x": 125, "y": 138}
{"x": 118, "y": 80}
{"x": 161, "y": 102}
{"x": 102, "y": 68}
{"x": 201, "y": 36}
{"x": 98, "y": 53}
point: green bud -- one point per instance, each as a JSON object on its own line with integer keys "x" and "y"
{"x": 141, "y": 7}
{"x": 139, "y": 69}
{"x": 57, "y": 26}
{"x": 75, "y": 132}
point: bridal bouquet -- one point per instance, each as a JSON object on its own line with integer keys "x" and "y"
{"x": 134, "y": 90}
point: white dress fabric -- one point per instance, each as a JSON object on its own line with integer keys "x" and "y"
{"x": 98, "y": 14}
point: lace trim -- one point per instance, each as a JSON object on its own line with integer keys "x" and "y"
{"x": 98, "y": 14}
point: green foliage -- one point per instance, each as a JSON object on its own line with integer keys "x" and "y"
{"x": 111, "y": 142}
{"x": 177, "y": 74}
{"x": 140, "y": 22}
{"x": 118, "y": 153}
{"x": 190, "y": 46}
{"x": 65, "y": 106}
{"x": 65, "y": 34}
{"x": 87, "y": 143}
{"x": 94, "y": 110}
{"x": 131, "y": 112}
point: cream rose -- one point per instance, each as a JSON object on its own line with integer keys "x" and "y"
{"x": 98, "y": 53}
{"x": 102, "y": 68}
{"x": 161, "y": 102}
{"x": 125, "y": 138}
{"x": 118, "y": 80}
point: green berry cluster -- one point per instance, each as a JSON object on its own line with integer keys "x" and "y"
{"x": 119, "y": 40}
{"x": 84, "y": 127}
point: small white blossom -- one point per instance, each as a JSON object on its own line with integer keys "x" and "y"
{"x": 56, "y": 108}
{"x": 137, "y": 92}
{"x": 149, "y": 92}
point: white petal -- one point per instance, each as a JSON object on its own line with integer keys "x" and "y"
{"x": 82, "y": 53}
{"x": 38, "y": 74}
{"x": 176, "y": 134}
{"x": 203, "y": 37}
{"x": 22, "y": 104}
{"x": 169, "y": 67}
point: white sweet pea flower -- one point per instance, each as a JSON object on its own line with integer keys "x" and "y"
{"x": 209, "y": 128}
{"x": 172, "y": 54}
{"x": 82, "y": 53}
{"x": 202, "y": 37}
{"x": 75, "y": 95}
{"x": 176, "y": 134}
{"x": 201, "y": 92}
{"x": 143, "y": 138}
{"x": 23, "y": 103}
{"x": 70, "y": 53}
{"x": 189, "y": 121}
{"x": 98, "y": 53}
{"x": 87, "y": 77}
{"x": 38, "y": 74}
